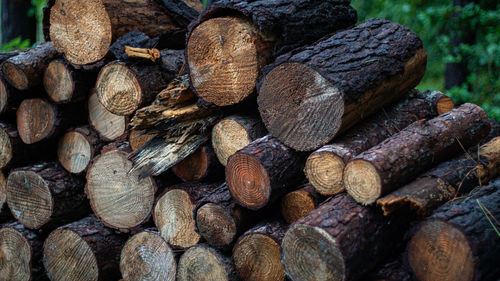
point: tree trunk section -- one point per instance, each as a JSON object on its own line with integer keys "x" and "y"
{"x": 16, "y": 22}
{"x": 5, "y": 214}
{"x": 201, "y": 165}
{"x": 77, "y": 148}
{"x": 299, "y": 203}
{"x": 109, "y": 126}
{"x": 37, "y": 120}
{"x": 382, "y": 168}
{"x": 326, "y": 88}
{"x": 202, "y": 260}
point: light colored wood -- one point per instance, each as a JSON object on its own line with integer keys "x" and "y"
{"x": 109, "y": 126}
{"x": 6, "y": 149}
{"x": 58, "y": 81}
{"x": 366, "y": 179}
{"x": 74, "y": 152}
{"x": 200, "y": 262}
{"x": 15, "y": 256}
{"x": 324, "y": 171}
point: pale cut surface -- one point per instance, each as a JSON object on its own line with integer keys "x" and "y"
{"x": 215, "y": 224}
{"x": 4, "y": 95}
{"x": 15, "y": 256}
{"x": 36, "y": 120}
{"x": 199, "y": 262}
{"x": 58, "y": 82}
{"x": 67, "y": 257}
{"x": 228, "y": 136}
{"x": 118, "y": 197}
{"x": 74, "y": 152}
{"x": 29, "y": 198}
{"x": 109, "y": 126}
{"x": 362, "y": 182}
{"x": 296, "y": 205}
{"x": 5, "y": 148}
{"x": 325, "y": 172}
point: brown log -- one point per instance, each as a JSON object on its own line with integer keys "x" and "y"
{"x": 138, "y": 138}
{"x": 45, "y": 195}
{"x": 83, "y": 250}
{"x": 262, "y": 171}
{"x": 77, "y": 148}
{"x": 310, "y": 95}
{"x": 259, "y": 248}
{"x": 147, "y": 256}
{"x": 400, "y": 159}
{"x": 232, "y": 40}
{"x": 340, "y": 240}
{"x": 26, "y": 69}
{"x": 198, "y": 166}
{"x": 202, "y": 260}
{"x": 117, "y": 196}
{"x": 109, "y": 126}
{"x": 299, "y": 203}
{"x": 20, "y": 253}
{"x": 460, "y": 241}
{"x": 324, "y": 167}
{"x": 233, "y": 133}
{"x": 37, "y": 120}
{"x": 5, "y": 214}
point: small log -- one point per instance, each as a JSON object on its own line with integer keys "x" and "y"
{"x": 458, "y": 242}
{"x": 26, "y": 69}
{"x": 299, "y": 203}
{"x": 37, "y": 120}
{"x": 233, "y": 133}
{"x": 381, "y": 169}
{"x": 83, "y": 250}
{"x": 310, "y": 95}
{"x": 259, "y": 248}
{"x": 232, "y": 40}
{"x": 77, "y": 148}
{"x": 324, "y": 167}
{"x": 109, "y": 126}
{"x": 262, "y": 171}
{"x": 20, "y": 253}
{"x": 138, "y": 138}
{"x": 198, "y": 166}
{"x": 340, "y": 240}
{"x": 147, "y": 256}
{"x": 45, "y": 195}
{"x": 117, "y": 196}
{"x": 204, "y": 261}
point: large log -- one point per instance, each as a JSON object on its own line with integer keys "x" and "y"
{"x": 232, "y": 40}
{"x": 83, "y": 250}
{"x": 77, "y": 148}
{"x": 147, "y": 256}
{"x": 109, "y": 126}
{"x": 460, "y": 241}
{"x": 340, "y": 240}
{"x": 399, "y": 159}
{"x": 324, "y": 167}
{"x": 262, "y": 171}
{"x": 45, "y": 195}
{"x": 201, "y": 165}
{"x": 204, "y": 261}
{"x": 26, "y": 69}
{"x": 299, "y": 203}
{"x": 311, "y": 94}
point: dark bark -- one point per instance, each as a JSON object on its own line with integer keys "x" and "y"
{"x": 16, "y": 22}
{"x": 394, "y": 270}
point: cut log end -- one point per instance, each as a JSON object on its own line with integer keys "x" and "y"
{"x": 200, "y": 261}
{"x": 4, "y": 95}
{"x": 194, "y": 167}
{"x": 80, "y": 30}
{"x": 324, "y": 171}
{"x": 310, "y": 253}
{"x": 109, "y": 126}
{"x": 362, "y": 181}
{"x": 15, "y": 76}
{"x": 228, "y": 136}
{"x": 65, "y": 247}
{"x": 15, "y": 255}
{"x": 248, "y": 181}
{"x": 147, "y": 256}
{"x": 58, "y": 82}
{"x": 5, "y": 148}
{"x": 137, "y": 139}
{"x": 118, "y": 89}
{"x": 296, "y": 205}
{"x": 439, "y": 251}
{"x": 215, "y": 225}
{"x": 29, "y": 198}
{"x": 258, "y": 251}
{"x": 444, "y": 104}
{"x": 36, "y": 120}
{"x": 225, "y": 56}
{"x": 174, "y": 218}
{"x": 74, "y": 152}
{"x": 286, "y": 94}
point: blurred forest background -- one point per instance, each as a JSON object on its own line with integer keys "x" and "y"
{"x": 462, "y": 39}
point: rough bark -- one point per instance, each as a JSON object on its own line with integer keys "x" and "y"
{"x": 77, "y": 149}
{"x": 225, "y": 75}
{"x": 109, "y": 126}
{"x": 324, "y": 167}
{"x": 261, "y": 172}
{"x": 459, "y": 242}
{"x": 201, "y": 260}
{"x": 300, "y": 202}
{"x": 83, "y": 250}
{"x": 311, "y": 94}
{"x": 16, "y": 22}
{"x": 340, "y": 240}
{"x": 201, "y": 165}
{"x": 399, "y": 159}
{"x": 45, "y": 195}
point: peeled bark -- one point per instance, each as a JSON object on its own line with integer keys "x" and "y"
{"x": 311, "y": 94}
{"x": 325, "y": 167}
{"x": 109, "y": 126}
{"x": 299, "y": 203}
{"x": 77, "y": 148}
{"x": 204, "y": 261}
{"x": 83, "y": 250}
{"x": 262, "y": 171}
{"x": 399, "y": 159}
{"x": 201, "y": 165}
{"x": 459, "y": 242}
{"x": 232, "y": 41}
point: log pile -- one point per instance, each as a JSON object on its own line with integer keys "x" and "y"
{"x": 247, "y": 140}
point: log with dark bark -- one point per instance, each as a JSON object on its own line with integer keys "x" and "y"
{"x": 5, "y": 214}
{"x": 394, "y": 270}
{"x": 202, "y": 260}
{"x": 262, "y": 171}
{"x": 259, "y": 248}
{"x": 147, "y": 256}
{"x": 340, "y": 240}
{"x": 460, "y": 241}
{"x": 201, "y": 165}
{"x": 446, "y": 181}
{"x": 400, "y": 158}
{"x": 21, "y": 253}
{"x": 26, "y": 69}
{"x": 311, "y": 94}
{"x": 77, "y": 148}
{"x": 233, "y": 133}
{"x": 324, "y": 167}
{"x": 300, "y": 202}
{"x": 232, "y": 40}
{"x": 83, "y": 250}
{"x": 117, "y": 196}
{"x": 109, "y": 126}
{"x": 45, "y": 195}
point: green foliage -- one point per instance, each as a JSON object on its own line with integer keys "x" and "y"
{"x": 16, "y": 44}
